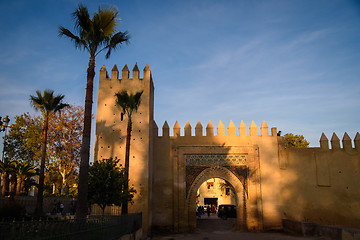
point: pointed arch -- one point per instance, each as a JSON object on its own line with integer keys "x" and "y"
{"x": 215, "y": 172}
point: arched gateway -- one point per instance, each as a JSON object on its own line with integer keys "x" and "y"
{"x": 225, "y": 174}
{"x": 237, "y": 165}
{"x": 270, "y": 182}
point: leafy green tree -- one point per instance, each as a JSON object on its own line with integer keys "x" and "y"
{"x": 295, "y": 141}
{"x": 48, "y": 104}
{"x": 128, "y": 104}
{"x": 107, "y": 184}
{"x": 93, "y": 35}
{"x": 23, "y": 141}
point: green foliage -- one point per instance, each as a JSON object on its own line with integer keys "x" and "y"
{"x": 47, "y": 103}
{"x": 23, "y": 141}
{"x": 295, "y": 141}
{"x": 6, "y": 168}
{"x": 97, "y": 33}
{"x": 24, "y": 172}
{"x": 23, "y": 144}
{"x": 106, "y": 184}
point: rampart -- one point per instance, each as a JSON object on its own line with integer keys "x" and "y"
{"x": 318, "y": 184}
{"x": 322, "y": 185}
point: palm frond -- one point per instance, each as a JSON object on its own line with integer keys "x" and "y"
{"x": 95, "y": 34}
{"x": 116, "y": 41}
{"x": 106, "y": 21}
{"x": 79, "y": 43}
{"x": 47, "y": 103}
{"x": 82, "y": 20}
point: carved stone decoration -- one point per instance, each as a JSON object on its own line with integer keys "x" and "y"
{"x": 195, "y": 164}
{"x": 227, "y": 175}
{"x": 213, "y": 172}
{"x": 241, "y": 172}
{"x": 215, "y": 159}
{"x": 191, "y": 173}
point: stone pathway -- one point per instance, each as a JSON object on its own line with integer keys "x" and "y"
{"x": 213, "y": 228}
{"x": 218, "y": 235}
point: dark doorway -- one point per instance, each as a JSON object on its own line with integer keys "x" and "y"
{"x": 211, "y": 201}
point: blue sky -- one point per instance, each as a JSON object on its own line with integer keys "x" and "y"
{"x": 294, "y": 63}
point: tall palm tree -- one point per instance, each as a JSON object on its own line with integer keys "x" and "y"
{"x": 48, "y": 104}
{"x": 128, "y": 104}
{"x": 93, "y": 35}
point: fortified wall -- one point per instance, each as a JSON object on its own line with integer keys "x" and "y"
{"x": 271, "y": 183}
{"x": 322, "y": 185}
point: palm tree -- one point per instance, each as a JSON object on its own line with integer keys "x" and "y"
{"x": 94, "y": 35}
{"x": 6, "y": 168}
{"x": 23, "y": 171}
{"x": 128, "y": 104}
{"x": 48, "y": 104}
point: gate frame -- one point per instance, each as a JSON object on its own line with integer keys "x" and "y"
{"x": 184, "y": 196}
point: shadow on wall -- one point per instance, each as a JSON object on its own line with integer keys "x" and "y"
{"x": 318, "y": 186}
{"x": 104, "y": 146}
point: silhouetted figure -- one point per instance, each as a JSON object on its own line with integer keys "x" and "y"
{"x": 73, "y": 206}
{"x": 61, "y": 207}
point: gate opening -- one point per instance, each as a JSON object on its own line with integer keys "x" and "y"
{"x": 216, "y": 206}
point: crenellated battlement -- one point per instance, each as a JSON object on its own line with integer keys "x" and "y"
{"x": 168, "y": 169}
{"x": 335, "y": 142}
{"x": 220, "y": 130}
{"x": 125, "y": 73}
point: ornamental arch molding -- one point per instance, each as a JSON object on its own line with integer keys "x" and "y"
{"x": 216, "y": 172}
{"x": 238, "y": 165}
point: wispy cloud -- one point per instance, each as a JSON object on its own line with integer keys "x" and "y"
{"x": 306, "y": 38}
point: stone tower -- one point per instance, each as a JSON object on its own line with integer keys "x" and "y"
{"x": 111, "y": 131}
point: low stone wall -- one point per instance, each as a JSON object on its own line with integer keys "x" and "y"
{"x": 136, "y": 235}
{"x": 325, "y": 232}
{"x": 29, "y": 203}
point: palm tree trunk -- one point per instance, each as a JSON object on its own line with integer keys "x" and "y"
{"x": 13, "y": 183}
{"x": 39, "y": 201}
{"x": 124, "y": 206}
{"x": 18, "y": 187}
{"x": 5, "y": 186}
{"x": 82, "y": 205}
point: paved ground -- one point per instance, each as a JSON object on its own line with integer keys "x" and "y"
{"x": 213, "y": 228}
